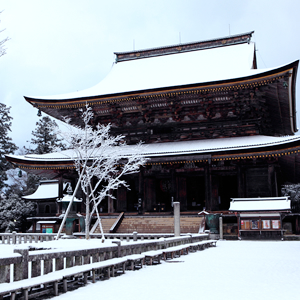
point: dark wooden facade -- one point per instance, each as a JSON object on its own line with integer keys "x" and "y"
{"x": 258, "y": 104}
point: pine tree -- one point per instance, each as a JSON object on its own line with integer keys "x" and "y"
{"x": 6, "y": 144}
{"x": 13, "y": 213}
{"x": 44, "y": 138}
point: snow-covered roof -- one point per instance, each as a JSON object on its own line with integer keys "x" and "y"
{"x": 47, "y": 189}
{"x": 205, "y": 65}
{"x": 68, "y": 198}
{"x": 180, "y": 148}
{"x": 260, "y": 204}
{"x": 46, "y": 222}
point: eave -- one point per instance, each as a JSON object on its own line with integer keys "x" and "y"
{"x": 285, "y": 148}
{"x": 281, "y": 98}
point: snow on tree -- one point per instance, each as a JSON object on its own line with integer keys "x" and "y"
{"x": 6, "y": 144}
{"x": 101, "y": 161}
{"x": 45, "y": 139}
{"x": 2, "y": 42}
{"x": 293, "y": 191}
{"x": 13, "y": 213}
{"x": 21, "y": 183}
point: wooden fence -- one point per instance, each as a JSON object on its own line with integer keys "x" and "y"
{"x": 28, "y": 262}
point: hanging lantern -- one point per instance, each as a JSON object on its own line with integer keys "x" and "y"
{"x": 39, "y": 114}
{"x": 20, "y": 173}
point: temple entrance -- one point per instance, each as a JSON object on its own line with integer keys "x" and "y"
{"x": 163, "y": 195}
{"x": 195, "y": 193}
{"x": 228, "y": 188}
{"x": 132, "y": 195}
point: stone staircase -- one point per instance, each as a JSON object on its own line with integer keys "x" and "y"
{"x": 107, "y": 223}
{"x": 159, "y": 224}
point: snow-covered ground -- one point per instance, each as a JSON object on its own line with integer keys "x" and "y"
{"x": 232, "y": 270}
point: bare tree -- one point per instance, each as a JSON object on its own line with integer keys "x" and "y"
{"x": 2, "y": 42}
{"x": 100, "y": 158}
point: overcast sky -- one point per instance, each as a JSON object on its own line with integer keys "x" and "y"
{"x": 61, "y": 46}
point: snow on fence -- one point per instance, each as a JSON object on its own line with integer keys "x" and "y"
{"x": 20, "y": 238}
{"x": 32, "y": 262}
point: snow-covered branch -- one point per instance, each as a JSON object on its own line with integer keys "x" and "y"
{"x": 103, "y": 158}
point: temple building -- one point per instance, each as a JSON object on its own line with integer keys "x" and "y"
{"x": 215, "y": 127}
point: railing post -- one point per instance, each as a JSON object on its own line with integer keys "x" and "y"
{"x": 221, "y": 227}
{"x": 36, "y": 268}
{"x": 78, "y": 260}
{"x": 14, "y": 237}
{"x": 86, "y": 259}
{"x": 48, "y": 266}
{"x": 176, "y": 218}
{"x": 69, "y": 261}
{"x": 59, "y": 263}
{"x": 119, "y": 247}
{"x": 21, "y": 270}
{"x": 4, "y": 273}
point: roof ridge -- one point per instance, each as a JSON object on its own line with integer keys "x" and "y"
{"x": 184, "y": 47}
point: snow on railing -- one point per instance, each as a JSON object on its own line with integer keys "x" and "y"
{"x": 28, "y": 261}
{"x": 20, "y": 238}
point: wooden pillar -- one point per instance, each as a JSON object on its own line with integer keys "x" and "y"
{"x": 272, "y": 182}
{"x": 122, "y": 199}
{"x": 181, "y": 194}
{"x": 214, "y": 192}
{"x": 208, "y": 187}
{"x": 60, "y": 187}
{"x": 240, "y": 179}
{"x": 110, "y": 203}
{"x": 141, "y": 190}
{"x": 149, "y": 193}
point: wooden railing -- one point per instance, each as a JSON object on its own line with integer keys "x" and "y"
{"x": 20, "y": 238}
{"x": 116, "y": 225}
{"x": 27, "y": 262}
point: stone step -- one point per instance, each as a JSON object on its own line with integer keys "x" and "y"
{"x": 159, "y": 224}
{"x": 107, "y": 223}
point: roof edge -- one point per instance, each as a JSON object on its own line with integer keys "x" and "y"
{"x": 40, "y": 102}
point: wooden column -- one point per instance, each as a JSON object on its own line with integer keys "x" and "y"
{"x": 110, "y": 204}
{"x": 181, "y": 194}
{"x": 141, "y": 189}
{"x": 214, "y": 192}
{"x": 149, "y": 193}
{"x": 240, "y": 179}
{"x": 208, "y": 187}
{"x": 272, "y": 182}
{"x": 121, "y": 199}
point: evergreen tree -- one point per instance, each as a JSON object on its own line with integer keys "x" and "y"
{"x": 44, "y": 138}
{"x": 21, "y": 183}
{"x": 13, "y": 213}
{"x": 6, "y": 144}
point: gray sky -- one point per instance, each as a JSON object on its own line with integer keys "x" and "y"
{"x": 61, "y": 46}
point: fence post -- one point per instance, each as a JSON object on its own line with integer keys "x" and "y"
{"x": 119, "y": 247}
{"x": 134, "y": 236}
{"x": 176, "y": 218}
{"x": 14, "y": 237}
{"x": 21, "y": 270}
{"x": 221, "y": 227}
